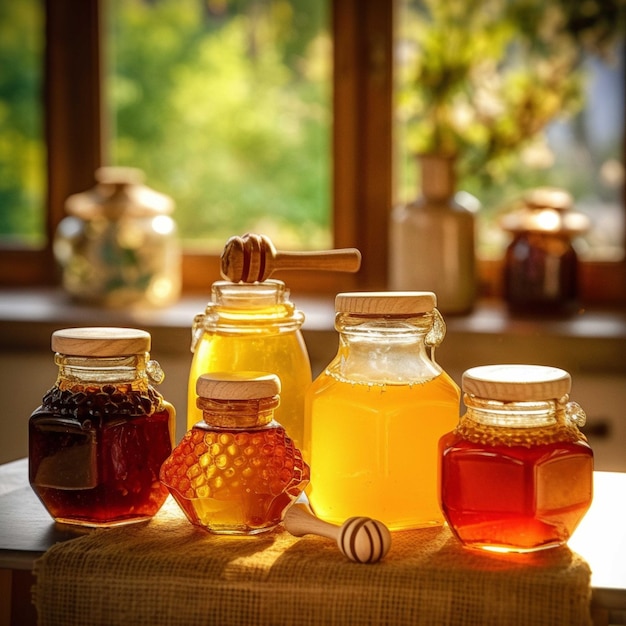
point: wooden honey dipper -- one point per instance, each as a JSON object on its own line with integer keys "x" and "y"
{"x": 253, "y": 258}
{"x": 361, "y": 539}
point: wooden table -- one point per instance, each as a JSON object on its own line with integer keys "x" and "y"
{"x": 26, "y": 532}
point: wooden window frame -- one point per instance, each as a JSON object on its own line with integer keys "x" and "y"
{"x": 362, "y": 163}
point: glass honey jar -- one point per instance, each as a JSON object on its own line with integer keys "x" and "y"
{"x": 516, "y": 474}
{"x": 541, "y": 263}
{"x": 237, "y": 471}
{"x": 253, "y": 327}
{"x": 374, "y": 416}
{"x": 118, "y": 245}
{"x": 98, "y": 440}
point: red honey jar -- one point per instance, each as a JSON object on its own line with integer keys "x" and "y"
{"x": 516, "y": 474}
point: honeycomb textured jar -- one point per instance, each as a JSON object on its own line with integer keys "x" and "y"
{"x": 238, "y": 470}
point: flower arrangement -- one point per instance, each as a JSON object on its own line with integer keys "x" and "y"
{"x": 486, "y": 77}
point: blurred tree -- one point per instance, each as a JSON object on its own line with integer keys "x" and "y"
{"x": 22, "y": 154}
{"x": 225, "y": 106}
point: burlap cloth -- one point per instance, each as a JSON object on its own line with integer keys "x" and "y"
{"x": 168, "y": 572}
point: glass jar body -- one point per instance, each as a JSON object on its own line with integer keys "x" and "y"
{"x": 520, "y": 487}
{"x": 235, "y": 480}
{"x": 117, "y": 261}
{"x": 373, "y": 420}
{"x": 541, "y": 273}
{"x": 97, "y": 442}
{"x": 253, "y": 327}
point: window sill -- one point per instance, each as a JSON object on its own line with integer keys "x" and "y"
{"x": 592, "y": 340}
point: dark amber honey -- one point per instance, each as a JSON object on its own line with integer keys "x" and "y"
{"x": 96, "y": 452}
{"x": 515, "y": 497}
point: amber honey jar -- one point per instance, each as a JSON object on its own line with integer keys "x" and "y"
{"x": 374, "y": 416}
{"x": 541, "y": 262}
{"x": 98, "y": 440}
{"x": 516, "y": 474}
{"x": 237, "y": 471}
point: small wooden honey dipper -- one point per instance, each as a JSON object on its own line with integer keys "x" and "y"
{"x": 253, "y": 258}
{"x": 361, "y": 539}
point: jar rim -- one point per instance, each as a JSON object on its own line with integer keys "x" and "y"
{"x": 100, "y": 341}
{"x": 385, "y": 302}
{"x": 516, "y": 382}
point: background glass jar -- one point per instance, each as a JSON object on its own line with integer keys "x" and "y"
{"x": 237, "y": 471}
{"x": 118, "y": 245}
{"x": 516, "y": 474}
{"x": 253, "y": 327}
{"x": 541, "y": 263}
{"x": 98, "y": 440}
{"x": 375, "y": 415}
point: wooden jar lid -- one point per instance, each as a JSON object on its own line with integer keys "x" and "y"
{"x": 100, "y": 341}
{"x": 385, "y": 302}
{"x": 516, "y": 383}
{"x": 237, "y": 385}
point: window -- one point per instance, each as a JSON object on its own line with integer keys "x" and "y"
{"x": 360, "y": 173}
{"x": 22, "y": 155}
{"x": 226, "y": 107}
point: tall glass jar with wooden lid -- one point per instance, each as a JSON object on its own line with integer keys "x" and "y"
{"x": 375, "y": 415}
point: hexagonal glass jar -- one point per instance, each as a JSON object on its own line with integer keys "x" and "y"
{"x": 516, "y": 474}
{"x": 97, "y": 442}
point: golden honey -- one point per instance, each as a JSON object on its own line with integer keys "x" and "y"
{"x": 375, "y": 415}
{"x": 253, "y": 327}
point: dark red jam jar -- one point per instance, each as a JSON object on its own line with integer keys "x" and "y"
{"x": 516, "y": 474}
{"x": 102, "y": 432}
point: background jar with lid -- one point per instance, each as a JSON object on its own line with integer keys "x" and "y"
{"x": 118, "y": 246}
{"x": 97, "y": 442}
{"x": 237, "y": 471}
{"x": 253, "y": 327}
{"x": 375, "y": 415}
{"x": 516, "y": 474}
{"x": 541, "y": 263}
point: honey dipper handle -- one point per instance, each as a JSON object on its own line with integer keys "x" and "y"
{"x": 341, "y": 260}
{"x": 299, "y": 521}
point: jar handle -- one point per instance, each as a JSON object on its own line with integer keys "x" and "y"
{"x": 155, "y": 374}
{"x": 436, "y": 334}
{"x": 575, "y": 414}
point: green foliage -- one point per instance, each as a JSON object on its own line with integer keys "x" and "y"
{"x": 225, "y": 106}
{"x": 21, "y": 149}
{"x": 488, "y": 76}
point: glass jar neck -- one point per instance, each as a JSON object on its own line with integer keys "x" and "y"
{"x": 426, "y": 328}
{"x": 238, "y": 414}
{"x": 493, "y": 422}
{"x": 133, "y": 368}
{"x": 384, "y": 349}
{"x": 241, "y": 308}
{"x": 512, "y": 414}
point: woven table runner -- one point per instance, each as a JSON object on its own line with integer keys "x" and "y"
{"x": 167, "y": 572}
